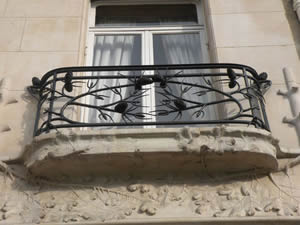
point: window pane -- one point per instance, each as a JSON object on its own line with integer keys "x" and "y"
{"x": 141, "y": 15}
{"x": 180, "y": 49}
{"x": 113, "y": 50}
{"x": 177, "y": 48}
{"x": 116, "y": 50}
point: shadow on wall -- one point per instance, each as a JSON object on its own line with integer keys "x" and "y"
{"x": 293, "y": 22}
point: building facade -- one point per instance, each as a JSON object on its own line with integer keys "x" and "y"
{"x": 136, "y": 112}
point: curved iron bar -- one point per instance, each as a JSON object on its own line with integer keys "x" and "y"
{"x": 199, "y": 104}
{"x": 149, "y": 67}
{"x": 128, "y": 104}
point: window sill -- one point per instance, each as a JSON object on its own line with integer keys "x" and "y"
{"x": 146, "y": 151}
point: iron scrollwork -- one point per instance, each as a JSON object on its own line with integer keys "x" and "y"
{"x": 116, "y": 96}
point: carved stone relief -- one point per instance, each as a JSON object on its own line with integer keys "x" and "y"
{"x": 25, "y": 200}
{"x": 68, "y": 177}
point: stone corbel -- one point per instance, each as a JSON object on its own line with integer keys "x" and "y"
{"x": 297, "y": 8}
{"x": 6, "y": 97}
{"x": 293, "y": 96}
{"x": 292, "y": 121}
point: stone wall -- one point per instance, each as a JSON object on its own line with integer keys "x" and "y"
{"x": 258, "y": 33}
{"x": 36, "y": 36}
{"x": 40, "y": 35}
{"x": 240, "y": 198}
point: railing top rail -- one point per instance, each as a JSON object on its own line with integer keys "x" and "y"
{"x": 249, "y": 69}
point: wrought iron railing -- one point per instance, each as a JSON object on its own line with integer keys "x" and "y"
{"x": 155, "y": 95}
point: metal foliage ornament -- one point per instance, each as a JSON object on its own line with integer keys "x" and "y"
{"x": 116, "y": 96}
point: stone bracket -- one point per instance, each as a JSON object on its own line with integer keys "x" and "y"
{"x": 297, "y": 8}
{"x": 293, "y": 90}
{"x": 293, "y": 96}
{"x": 292, "y": 121}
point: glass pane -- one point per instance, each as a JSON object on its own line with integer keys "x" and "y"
{"x": 177, "y": 48}
{"x": 114, "y": 50}
{"x": 141, "y": 15}
{"x": 182, "y": 48}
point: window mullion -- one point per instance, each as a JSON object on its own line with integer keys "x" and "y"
{"x": 89, "y": 62}
{"x": 149, "y": 100}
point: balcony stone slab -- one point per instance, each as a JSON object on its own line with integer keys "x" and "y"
{"x": 212, "y": 150}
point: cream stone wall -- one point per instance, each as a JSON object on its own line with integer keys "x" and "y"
{"x": 36, "y": 36}
{"x": 257, "y": 33}
{"x": 105, "y": 177}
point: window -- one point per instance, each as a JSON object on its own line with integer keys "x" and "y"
{"x": 145, "y": 34}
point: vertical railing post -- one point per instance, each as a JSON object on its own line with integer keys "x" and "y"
{"x": 253, "y": 102}
{"x": 37, "y": 117}
{"x": 51, "y": 103}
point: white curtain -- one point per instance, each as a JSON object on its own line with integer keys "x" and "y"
{"x": 113, "y": 50}
{"x": 183, "y": 49}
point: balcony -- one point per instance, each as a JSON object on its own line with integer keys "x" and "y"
{"x": 188, "y": 110}
{"x": 186, "y": 94}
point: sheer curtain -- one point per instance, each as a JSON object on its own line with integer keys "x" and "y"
{"x": 113, "y": 50}
{"x": 183, "y": 49}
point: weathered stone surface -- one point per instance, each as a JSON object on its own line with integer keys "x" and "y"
{"x": 111, "y": 199}
{"x": 245, "y": 6}
{"x": 11, "y": 34}
{"x": 218, "y": 150}
{"x": 53, "y": 8}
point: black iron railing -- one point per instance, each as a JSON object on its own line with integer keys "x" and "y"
{"x": 156, "y": 95}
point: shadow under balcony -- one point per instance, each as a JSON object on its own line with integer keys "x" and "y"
{"x": 200, "y": 119}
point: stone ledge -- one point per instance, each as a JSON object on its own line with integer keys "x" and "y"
{"x": 218, "y": 150}
{"x": 188, "y": 221}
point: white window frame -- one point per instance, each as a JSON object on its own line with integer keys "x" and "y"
{"x": 93, "y": 30}
{"x": 146, "y": 33}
